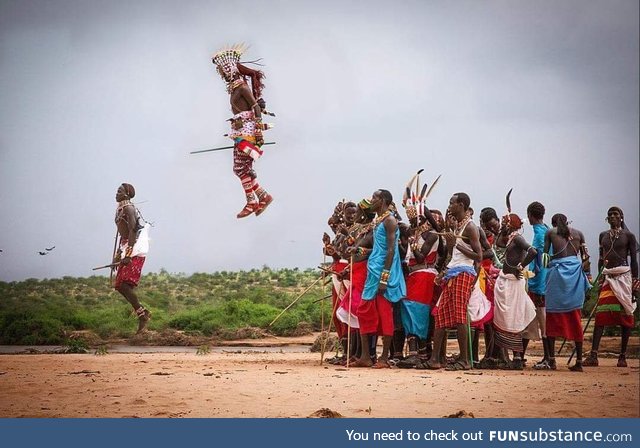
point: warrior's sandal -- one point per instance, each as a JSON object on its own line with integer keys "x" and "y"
{"x": 262, "y": 205}
{"x": 591, "y": 361}
{"x": 247, "y": 210}
{"x": 381, "y": 365}
{"x": 143, "y": 319}
{"x": 457, "y": 365}
{"x": 622, "y": 361}
{"x": 576, "y": 368}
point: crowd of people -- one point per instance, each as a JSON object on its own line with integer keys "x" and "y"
{"x": 411, "y": 282}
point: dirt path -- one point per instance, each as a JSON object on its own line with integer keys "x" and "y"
{"x": 251, "y": 384}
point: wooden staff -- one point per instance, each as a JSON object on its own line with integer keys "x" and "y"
{"x": 324, "y": 342}
{"x": 324, "y": 260}
{"x": 447, "y": 233}
{"x": 224, "y": 147}
{"x": 113, "y": 256}
{"x": 110, "y": 265}
{"x": 328, "y": 271}
{"x": 296, "y": 299}
{"x": 348, "y": 354}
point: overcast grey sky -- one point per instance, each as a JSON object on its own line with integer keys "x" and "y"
{"x": 539, "y": 96}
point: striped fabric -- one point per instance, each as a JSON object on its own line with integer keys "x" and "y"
{"x": 453, "y": 303}
{"x": 609, "y": 311}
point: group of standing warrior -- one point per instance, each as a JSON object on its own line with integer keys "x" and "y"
{"x": 411, "y": 283}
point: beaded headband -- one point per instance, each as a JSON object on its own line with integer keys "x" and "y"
{"x": 227, "y": 59}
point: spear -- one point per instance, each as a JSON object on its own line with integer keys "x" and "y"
{"x": 115, "y": 247}
{"x": 111, "y": 265}
{"x": 224, "y": 147}
{"x": 296, "y": 299}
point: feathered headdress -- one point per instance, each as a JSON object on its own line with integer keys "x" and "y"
{"x": 414, "y": 199}
{"x": 227, "y": 61}
{"x": 513, "y": 220}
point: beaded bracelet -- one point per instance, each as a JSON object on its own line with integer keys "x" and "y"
{"x": 128, "y": 252}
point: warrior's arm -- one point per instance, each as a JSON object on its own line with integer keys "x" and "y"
{"x": 486, "y": 247}
{"x": 247, "y": 95}
{"x": 531, "y": 251}
{"x": 547, "y": 241}
{"x": 475, "y": 253}
{"x": 390, "y": 227}
{"x": 130, "y": 218}
{"x": 600, "y": 253}
{"x": 429, "y": 240}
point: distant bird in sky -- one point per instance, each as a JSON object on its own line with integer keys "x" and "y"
{"x": 42, "y": 253}
{"x": 48, "y": 249}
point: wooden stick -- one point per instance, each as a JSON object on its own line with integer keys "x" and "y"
{"x": 327, "y": 270}
{"x": 322, "y": 299}
{"x": 111, "y": 265}
{"x": 224, "y": 147}
{"x": 324, "y": 260}
{"x": 296, "y": 299}
{"x": 449, "y": 233}
{"x": 333, "y": 310}
{"x": 113, "y": 256}
{"x": 348, "y": 354}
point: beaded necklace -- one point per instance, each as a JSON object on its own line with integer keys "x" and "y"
{"x": 462, "y": 224}
{"x": 120, "y": 209}
{"x": 614, "y": 234}
{"x": 233, "y": 85}
{"x": 381, "y": 218}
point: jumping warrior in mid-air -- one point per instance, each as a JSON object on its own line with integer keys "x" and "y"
{"x": 247, "y": 106}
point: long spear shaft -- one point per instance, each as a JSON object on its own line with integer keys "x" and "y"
{"x": 324, "y": 259}
{"x": 296, "y": 299}
{"x": 348, "y": 354}
{"x": 111, "y": 265}
{"x": 115, "y": 246}
{"x": 224, "y": 147}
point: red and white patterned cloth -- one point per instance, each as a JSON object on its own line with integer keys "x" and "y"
{"x": 453, "y": 303}
{"x": 130, "y": 273}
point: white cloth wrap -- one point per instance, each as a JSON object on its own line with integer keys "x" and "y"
{"x": 621, "y": 283}
{"x": 479, "y": 306}
{"x": 514, "y": 310}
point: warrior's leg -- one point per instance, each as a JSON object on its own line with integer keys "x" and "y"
{"x": 365, "y": 358}
{"x": 439, "y": 341}
{"x": 475, "y": 345}
{"x": 463, "y": 343}
{"x": 592, "y": 359}
{"x": 143, "y": 314}
{"x": 626, "y": 332}
{"x": 525, "y": 344}
{"x": 264, "y": 198}
{"x": 551, "y": 341}
{"x": 577, "y": 367}
{"x": 622, "y": 359}
{"x": 128, "y": 293}
{"x": 242, "y": 169}
{"x": 386, "y": 349}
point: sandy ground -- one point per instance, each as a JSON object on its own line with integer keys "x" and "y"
{"x": 282, "y": 384}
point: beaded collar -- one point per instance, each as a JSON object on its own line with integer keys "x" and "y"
{"x": 233, "y": 85}
{"x": 381, "y": 218}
